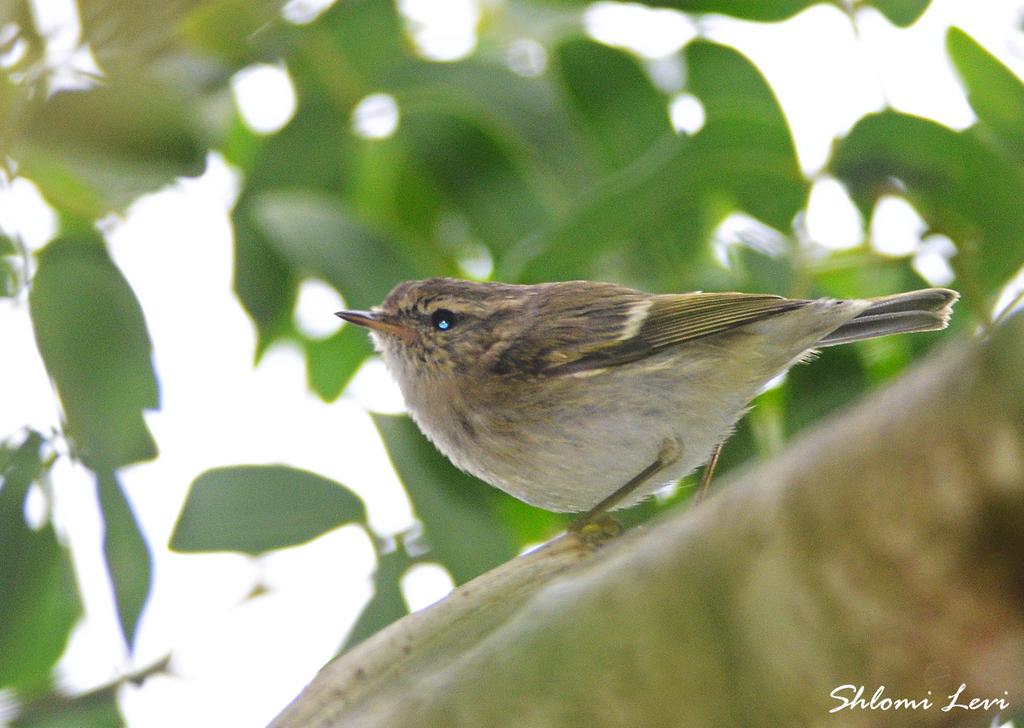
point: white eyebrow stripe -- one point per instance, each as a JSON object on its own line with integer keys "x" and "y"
{"x": 637, "y": 316}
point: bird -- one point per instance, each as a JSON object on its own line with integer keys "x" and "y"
{"x": 585, "y": 396}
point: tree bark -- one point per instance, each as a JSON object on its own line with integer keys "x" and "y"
{"x": 882, "y": 549}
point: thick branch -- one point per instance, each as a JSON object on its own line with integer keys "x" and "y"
{"x": 884, "y": 548}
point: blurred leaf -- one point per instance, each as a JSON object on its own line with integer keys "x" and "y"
{"x": 960, "y": 186}
{"x": 38, "y": 601}
{"x": 766, "y": 10}
{"x": 11, "y": 268}
{"x": 745, "y": 151}
{"x": 761, "y": 271}
{"x": 331, "y": 362}
{"x": 85, "y": 152}
{"x": 264, "y": 283}
{"x": 835, "y": 379}
{"x": 311, "y": 151}
{"x": 648, "y": 212}
{"x": 900, "y": 12}
{"x": 456, "y": 509}
{"x": 529, "y": 524}
{"x": 241, "y": 145}
{"x": 316, "y": 235}
{"x": 996, "y": 94}
{"x": 366, "y": 41}
{"x": 660, "y": 210}
{"x": 238, "y": 32}
{"x": 767, "y": 421}
{"x": 387, "y": 604}
{"x": 529, "y": 115}
{"x": 395, "y": 179}
{"x": 19, "y": 15}
{"x": 499, "y": 198}
{"x": 615, "y": 100}
{"x": 885, "y": 357}
{"x": 863, "y": 273}
{"x": 377, "y": 165}
{"x": 129, "y": 561}
{"x": 256, "y": 508}
{"x": 15, "y": 100}
{"x": 394, "y": 187}
{"x": 96, "y": 709}
{"x": 92, "y": 336}
{"x": 126, "y": 33}
{"x": 65, "y": 191}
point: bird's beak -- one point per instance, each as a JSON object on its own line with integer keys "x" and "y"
{"x": 373, "y": 321}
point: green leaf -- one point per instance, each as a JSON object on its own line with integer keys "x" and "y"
{"x": 129, "y": 561}
{"x": 531, "y": 525}
{"x": 96, "y": 709}
{"x": 256, "y": 508}
{"x": 312, "y": 150}
{"x": 616, "y": 103}
{"x": 264, "y": 282}
{"x": 331, "y": 362}
{"x": 20, "y": 15}
{"x": 994, "y": 91}
{"x": 226, "y": 28}
{"x": 657, "y": 213}
{"x": 92, "y": 336}
{"x": 648, "y": 213}
{"x": 765, "y": 10}
{"x": 739, "y": 448}
{"x": 863, "y": 273}
{"x": 901, "y": 12}
{"x": 377, "y": 167}
{"x": 758, "y": 270}
{"x": 513, "y": 132}
{"x": 87, "y": 155}
{"x": 314, "y": 233}
{"x": 528, "y": 115}
{"x": 745, "y": 152}
{"x": 366, "y": 40}
{"x": 962, "y": 187}
{"x": 835, "y": 379}
{"x": 387, "y": 604}
{"x": 38, "y": 601}
{"x": 125, "y": 33}
{"x": 456, "y": 509}
{"x": 499, "y": 198}
{"x": 10, "y": 268}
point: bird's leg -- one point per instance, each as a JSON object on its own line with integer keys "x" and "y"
{"x": 709, "y": 470}
{"x": 592, "y": 524}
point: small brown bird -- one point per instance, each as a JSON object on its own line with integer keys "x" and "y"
{"x": 585, "y": 396}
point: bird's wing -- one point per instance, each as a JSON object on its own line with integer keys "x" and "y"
{"x": 674, "y": 319}
{"x": 671, "y": 320}
{"x": 619, "y": 329}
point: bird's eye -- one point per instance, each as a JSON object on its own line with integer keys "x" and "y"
{"x": 443, "y": 319}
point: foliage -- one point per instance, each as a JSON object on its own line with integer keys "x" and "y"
{"x": 573, "y": 172}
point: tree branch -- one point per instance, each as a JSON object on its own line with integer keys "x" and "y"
{"x": 883, "y": 548}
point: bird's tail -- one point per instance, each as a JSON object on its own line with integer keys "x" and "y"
{"x": 926, "y": 310}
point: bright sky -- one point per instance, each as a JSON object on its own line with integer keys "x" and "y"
{"x": 237, "y": 661}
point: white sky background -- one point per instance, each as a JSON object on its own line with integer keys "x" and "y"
{"x": 238, "y": 661}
